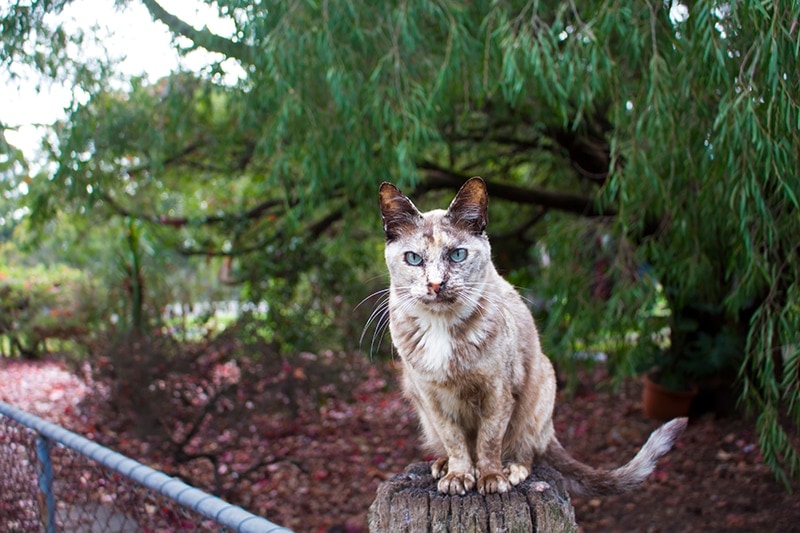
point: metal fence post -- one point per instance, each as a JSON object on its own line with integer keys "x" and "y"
{"x": 44, "y": 470}
{"x": 139, "y": 476}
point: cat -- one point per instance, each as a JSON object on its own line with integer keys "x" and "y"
{"x": 472, "y": 363}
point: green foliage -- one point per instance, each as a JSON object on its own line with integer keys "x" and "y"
{"x": 13, "y": 172}
{"x": 37, "y": 304}
{"x": 649, "y": 150}
{"x": 601, "y": 296}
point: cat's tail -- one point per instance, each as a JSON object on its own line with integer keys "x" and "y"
{"x": 585, "y": 480}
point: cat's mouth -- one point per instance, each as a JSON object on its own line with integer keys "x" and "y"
{"x": 440, "y": 298}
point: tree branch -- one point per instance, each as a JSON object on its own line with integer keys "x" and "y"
{"x": 313, "y": 232}
{"x": 438, "y": 177}
{"x": 178, "y": 222}
{"x": 202, "y": 38}
{"x": 518, "y": 233}
{"x": 586, "y": 147}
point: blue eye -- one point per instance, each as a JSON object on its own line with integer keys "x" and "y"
{"x": 413, "y": 259}
{"x": 458, "y": 255}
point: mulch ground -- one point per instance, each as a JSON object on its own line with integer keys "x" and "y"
{"x": 307, "y": 449}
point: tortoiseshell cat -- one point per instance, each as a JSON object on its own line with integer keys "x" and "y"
{"x": 472, "y": 363}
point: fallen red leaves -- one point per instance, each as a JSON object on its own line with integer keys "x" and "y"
{"x": 306, "y": 444}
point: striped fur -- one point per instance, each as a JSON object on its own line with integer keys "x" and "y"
{"x": 472, "y": 364}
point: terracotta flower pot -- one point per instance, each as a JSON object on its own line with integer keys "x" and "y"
{"x": 662, "y": 403}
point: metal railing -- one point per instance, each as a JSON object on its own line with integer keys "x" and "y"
{"x": 54, "y": 480}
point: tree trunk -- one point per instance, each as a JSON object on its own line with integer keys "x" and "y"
{"x": 409, "y": 502}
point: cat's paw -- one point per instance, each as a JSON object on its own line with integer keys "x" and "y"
{"x": 516, "y": 473}
{"x": 493, "y": 482}
{"x": 439, "y": 467}
{"x": 456, "y": 483}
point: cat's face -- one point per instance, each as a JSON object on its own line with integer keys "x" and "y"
{"x": 437, "y": 260}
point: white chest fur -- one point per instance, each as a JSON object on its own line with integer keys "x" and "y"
{"x": 434, "y": 347}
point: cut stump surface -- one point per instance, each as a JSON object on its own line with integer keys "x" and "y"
{"x": 409, "y": 502}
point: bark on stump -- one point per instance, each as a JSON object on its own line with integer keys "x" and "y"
{"x": 409, "y": 502}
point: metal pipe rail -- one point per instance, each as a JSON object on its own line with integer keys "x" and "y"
{"x": 47, "y": 433}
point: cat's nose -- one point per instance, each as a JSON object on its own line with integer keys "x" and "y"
{"x": 435, "y": 287}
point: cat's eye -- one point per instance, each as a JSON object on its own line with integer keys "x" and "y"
{"x": 458, "y": 255}
{"x": 413, "y": 258}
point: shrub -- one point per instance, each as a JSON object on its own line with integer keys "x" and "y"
{"x": 42, "y": 303}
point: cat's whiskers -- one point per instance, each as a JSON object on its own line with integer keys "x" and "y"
{"x": 477, "y": 304}
{"x": 479, "y": 296}
{"x": 466, "y": 293}
{"x": 403, "y": 305}
{"x": 380, "y": 329}
{"x": 374, "y": 294}
{"x": 519, "y": 290}
{"x": 380, "y": 309}
{"x": 380, "y": 315}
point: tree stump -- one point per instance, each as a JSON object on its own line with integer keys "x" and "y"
{"x": 409, "y": 502}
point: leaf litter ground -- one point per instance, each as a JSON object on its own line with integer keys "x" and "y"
{"x": 306, "y": 444}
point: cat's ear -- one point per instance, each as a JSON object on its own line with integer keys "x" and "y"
{"x": 470, "y": 208}
{"x": 397, "y": 212}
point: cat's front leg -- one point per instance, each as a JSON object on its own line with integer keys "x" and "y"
{"x": 439, "y": 468}
{"x": 491, "y": 478}
{"x": 457, "y": 483}
{"x": 491, "y": 475}
{"x": 459, "y": 479}
{"x": 455, "y": 472}
{"x": 489, "y": 446}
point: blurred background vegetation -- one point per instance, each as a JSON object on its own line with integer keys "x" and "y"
{"x": 642, "y": 161}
